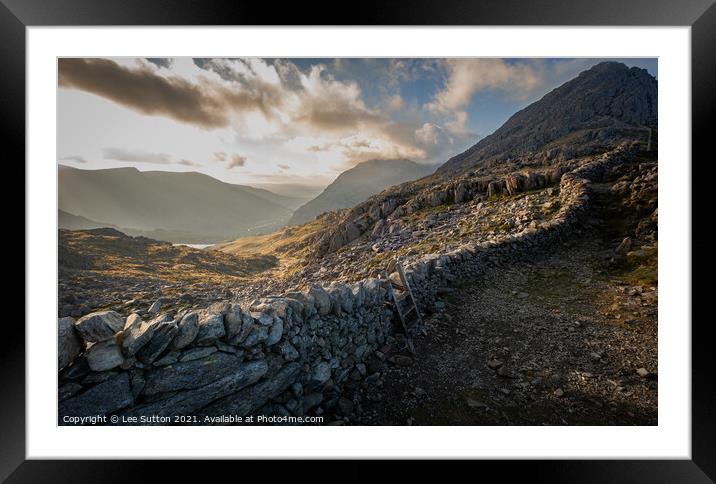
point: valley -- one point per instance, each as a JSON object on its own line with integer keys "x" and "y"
{"x": 532, "y": 256}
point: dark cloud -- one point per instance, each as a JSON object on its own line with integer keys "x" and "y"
{"x": 237, "y": 161}
{"x": 205, "y": 104}
{"x": 161, "y": 61}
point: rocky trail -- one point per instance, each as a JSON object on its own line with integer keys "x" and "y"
{"x": 561, "y": 339}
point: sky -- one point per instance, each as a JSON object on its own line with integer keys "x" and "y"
{"x": 266, "y": 122}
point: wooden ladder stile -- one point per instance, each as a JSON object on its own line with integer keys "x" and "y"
{"x": 410, "y": 317}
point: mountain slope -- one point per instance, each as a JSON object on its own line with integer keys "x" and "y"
{"x": 187, "y": 203}
{"x": 607, "y": 107}
{"x": 357, "y": 184}
{"x": 601, "y": 106}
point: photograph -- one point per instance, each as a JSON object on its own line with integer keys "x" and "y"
{"x": 357, "y": 241}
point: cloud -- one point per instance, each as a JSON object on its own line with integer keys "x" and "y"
{"x": 237, "y": 161}
{"x": 161, "y": 61}
{"x": 274, "y": 101}
{"x": 206, "y": 103}
{"x": 74, "y": 159}
{"x": 140, "y": 156}
{"x": 283, "y": 167}
{"x": 468, "y": 76}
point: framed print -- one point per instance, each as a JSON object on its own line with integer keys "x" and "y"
{"x": 426, "y": 233}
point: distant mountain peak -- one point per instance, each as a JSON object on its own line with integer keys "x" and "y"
{"x": 603, "y": 102}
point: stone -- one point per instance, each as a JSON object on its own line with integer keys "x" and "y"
{"x": 642, "y": 372}
{"x": 211, "y": 328}
{"x": 322, "y": 300}
{"x": 163, "y": 335}
{"x": 106, "y": 397}
{"x": 197, "y": 353}
{"x": 258, "y": 334}
{"x": 187, "y": 329}
{"x": 104, "y": 355}
{"x": 168, "y": 359}
{"x": 234, "y": 324}
{"x": 494, "y": 363}
{"x": 187, "y": 375}
{"x": 99, "y": 326}
{"x": 559, "y": 393}
{"x": 320, "y": 375}
{"x": 288, "y": 351}
{"x": 136, "y": 334}
{"x": 274, "y": 335}
{"x": 69, "y": 344}
{"x": 254, "y": 397}
{"x": 155, "y": 307}
{"x": 215, "y": 390}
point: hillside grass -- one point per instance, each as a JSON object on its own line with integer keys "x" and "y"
{"x": 114, "y": 254}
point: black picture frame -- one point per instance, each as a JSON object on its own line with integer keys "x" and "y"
{"x": 16, "y": 15}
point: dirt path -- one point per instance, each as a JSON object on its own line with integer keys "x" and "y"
{"x": 556, "y": 340}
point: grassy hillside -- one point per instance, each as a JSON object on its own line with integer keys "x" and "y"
{"x": 108, "y": 252}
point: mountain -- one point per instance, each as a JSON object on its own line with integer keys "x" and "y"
{"x": 175, "y": 205}
{"x": 606, "y": 108}
{"x": 357, "y": 184}
{"x": 601, "y": 106}
{"x": 70, "y": 221}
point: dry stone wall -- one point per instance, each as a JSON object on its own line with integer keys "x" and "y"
{"x": 292, "y": 351}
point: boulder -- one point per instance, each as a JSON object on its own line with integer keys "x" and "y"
{"x": 106, "y": 397}
{"x": 322, "y": 299}
{"x": 99, "y": 326}
{"x": 104, "y": 355}
{"x": 254, "y": 397}
{"x": 187, "y": 375}
{"x": 320, "y": 375}
{"x": 163, "y": 335}
{"x": 211, "y": 328}
{"x": 187, "y": 329}
{"x": 69, "y": 344}
{"x": 275, "y": 333}
{"x": 136, "y": 334}
{"x": 191, "y": 401}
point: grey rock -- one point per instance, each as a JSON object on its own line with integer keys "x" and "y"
{"x": 69, "y": 344}
{"x": 187, "y": 329}
{"x": 322, "y": 299}
{"x": 259, "y": 334}
{"x": 191, "y": 401}
{"x": 274, "y": 335}
{"x": 320, "y": 375}
{"x": 191, "y": 374}
{"x": 155, "y": 307}
{"x": 245, "y": 326}
{"x": 99, "y": 326}
{"x": 211, "y": 328}
{"x": 107, "y": 397}
{"x": 104, "y": 355}
{"x": 197, "y": 353}
{"x": 168, "y": 359}
{"x": 163, "y": 335}
{"x": 136, "y": 334}
{"x": 252, "y": 398}
{"x": 288, "y": 351}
